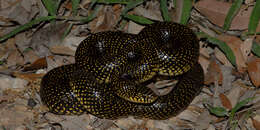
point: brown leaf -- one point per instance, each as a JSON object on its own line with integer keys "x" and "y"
{"x": 214, "y": 73}
{"x": 134, "y": 28}
{"x": 14, "y": 56}
{"x": 178, "y": 11}
{"x": 246, "y": 47}
{"x": 107, "y": 20}
{"x": 221, "y": 57}
{"x": 228, "y": 78}
{"x": 47, "y": 37}
{"x": 16, "y": 115}
{"x": 216, "y": 12}
{"x": 68, "y": 6}
{"x": 203, "y": 121}
{"x": 257, "y": 39}
{"x": 235, "y": 44}
{"x": 254, "y": 70}
{"x": 256, "y": 124}
{"x": 63, "y": 50}
{"x": 28, "y": 76}
{"x": 204, "y": 58}
{"x": 225, "y": 101}
{"x": 234, "y": 95}
{"x": 38, "y": 64}
{"x": 204, "y": 63}
{"x": 30, "y": 56}
{"x": 20, "y": 11}
{"x": 152, "y": 11}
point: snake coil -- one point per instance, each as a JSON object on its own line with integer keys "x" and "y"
{"x": 112, "y": 69}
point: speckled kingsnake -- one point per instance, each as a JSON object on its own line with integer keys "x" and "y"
{"x": 112, "y": 68}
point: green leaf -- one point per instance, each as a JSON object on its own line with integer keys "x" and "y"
{"x": 75, "y": 4}
{"x": 68, "y": 29}
{"x": 237, "y": 107}
{"x": 218, "y": 111}
{"x": 174, "y": 3}
{"x": 93, "y": 2}
{"x": 225, "y": 48}
{"x": 222, "y": 45}
{"x": 254, "y": 18}
{"x": 26, "y": 26}
{"x": 240, "y": 104}
{"x": 27, "y": 49}
{"x": 51, "y": 6}
{"x": 164, "y": 9}
{"x": 256, "y": 49}
{"x": 234, "y": 9}
{"x": 123, "y": 24}
{"x": 131, "y": 5}
{"x": 186, "y": 9}
{"x": 138, "y": 19}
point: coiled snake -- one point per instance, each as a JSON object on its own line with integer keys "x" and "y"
{"x": 112, "y": 69}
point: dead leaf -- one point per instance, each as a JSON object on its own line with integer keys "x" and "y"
{"x": 204, "y": 63}
{"x": 20, "y": 15}
{"x": 38, "y": 64}
{"x": 28, "y": 76}
{"x": 22, "y": 41}
{"x": 15, "y": 115}
{"x": 152, "y": 12}
{"x": 188, "y": 115}
{"x": 234, "y": 95}
{"x": 256, "y": 124}
{"x": 14, "y": 57}
{"x": 216, "y": 12}
{"x": 254, "y": 70}
{"x": 68, "y": 5}
{"x": 134, "y": 28}
{"x": 248, "y": 2}
{"x": 107, "y": 21}
{"x": 30, "y": 56}
{"x": 222, "y": 58}
{"x": 62, "y": 50}
{"x": 43, "y": 39}
{"x": 228, "y": 78}
{"x": 101, "y": 123}
{"x": 204, "y": 58}
{"x": 214, "y": 73}
{"x": 225, "y": 101}
{"x": 7, "y": 82}
{"x": 246, "y": 47}
{"x": 21, "y": 11}
{"x": 203, "y": 121}
{"x": 72, "y": 41}
{"x": 235, "y": 44}
{"x": 257, "y": 37}
{"x": 53, "y": 62}
{"x": 178, "y": 10}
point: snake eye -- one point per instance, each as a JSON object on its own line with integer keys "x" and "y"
{"x": 165, "y": 35}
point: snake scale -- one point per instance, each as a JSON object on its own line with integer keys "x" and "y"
{"x": 112, "y": 70}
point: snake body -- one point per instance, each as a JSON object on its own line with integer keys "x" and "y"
{"x": 112, "y": 69}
